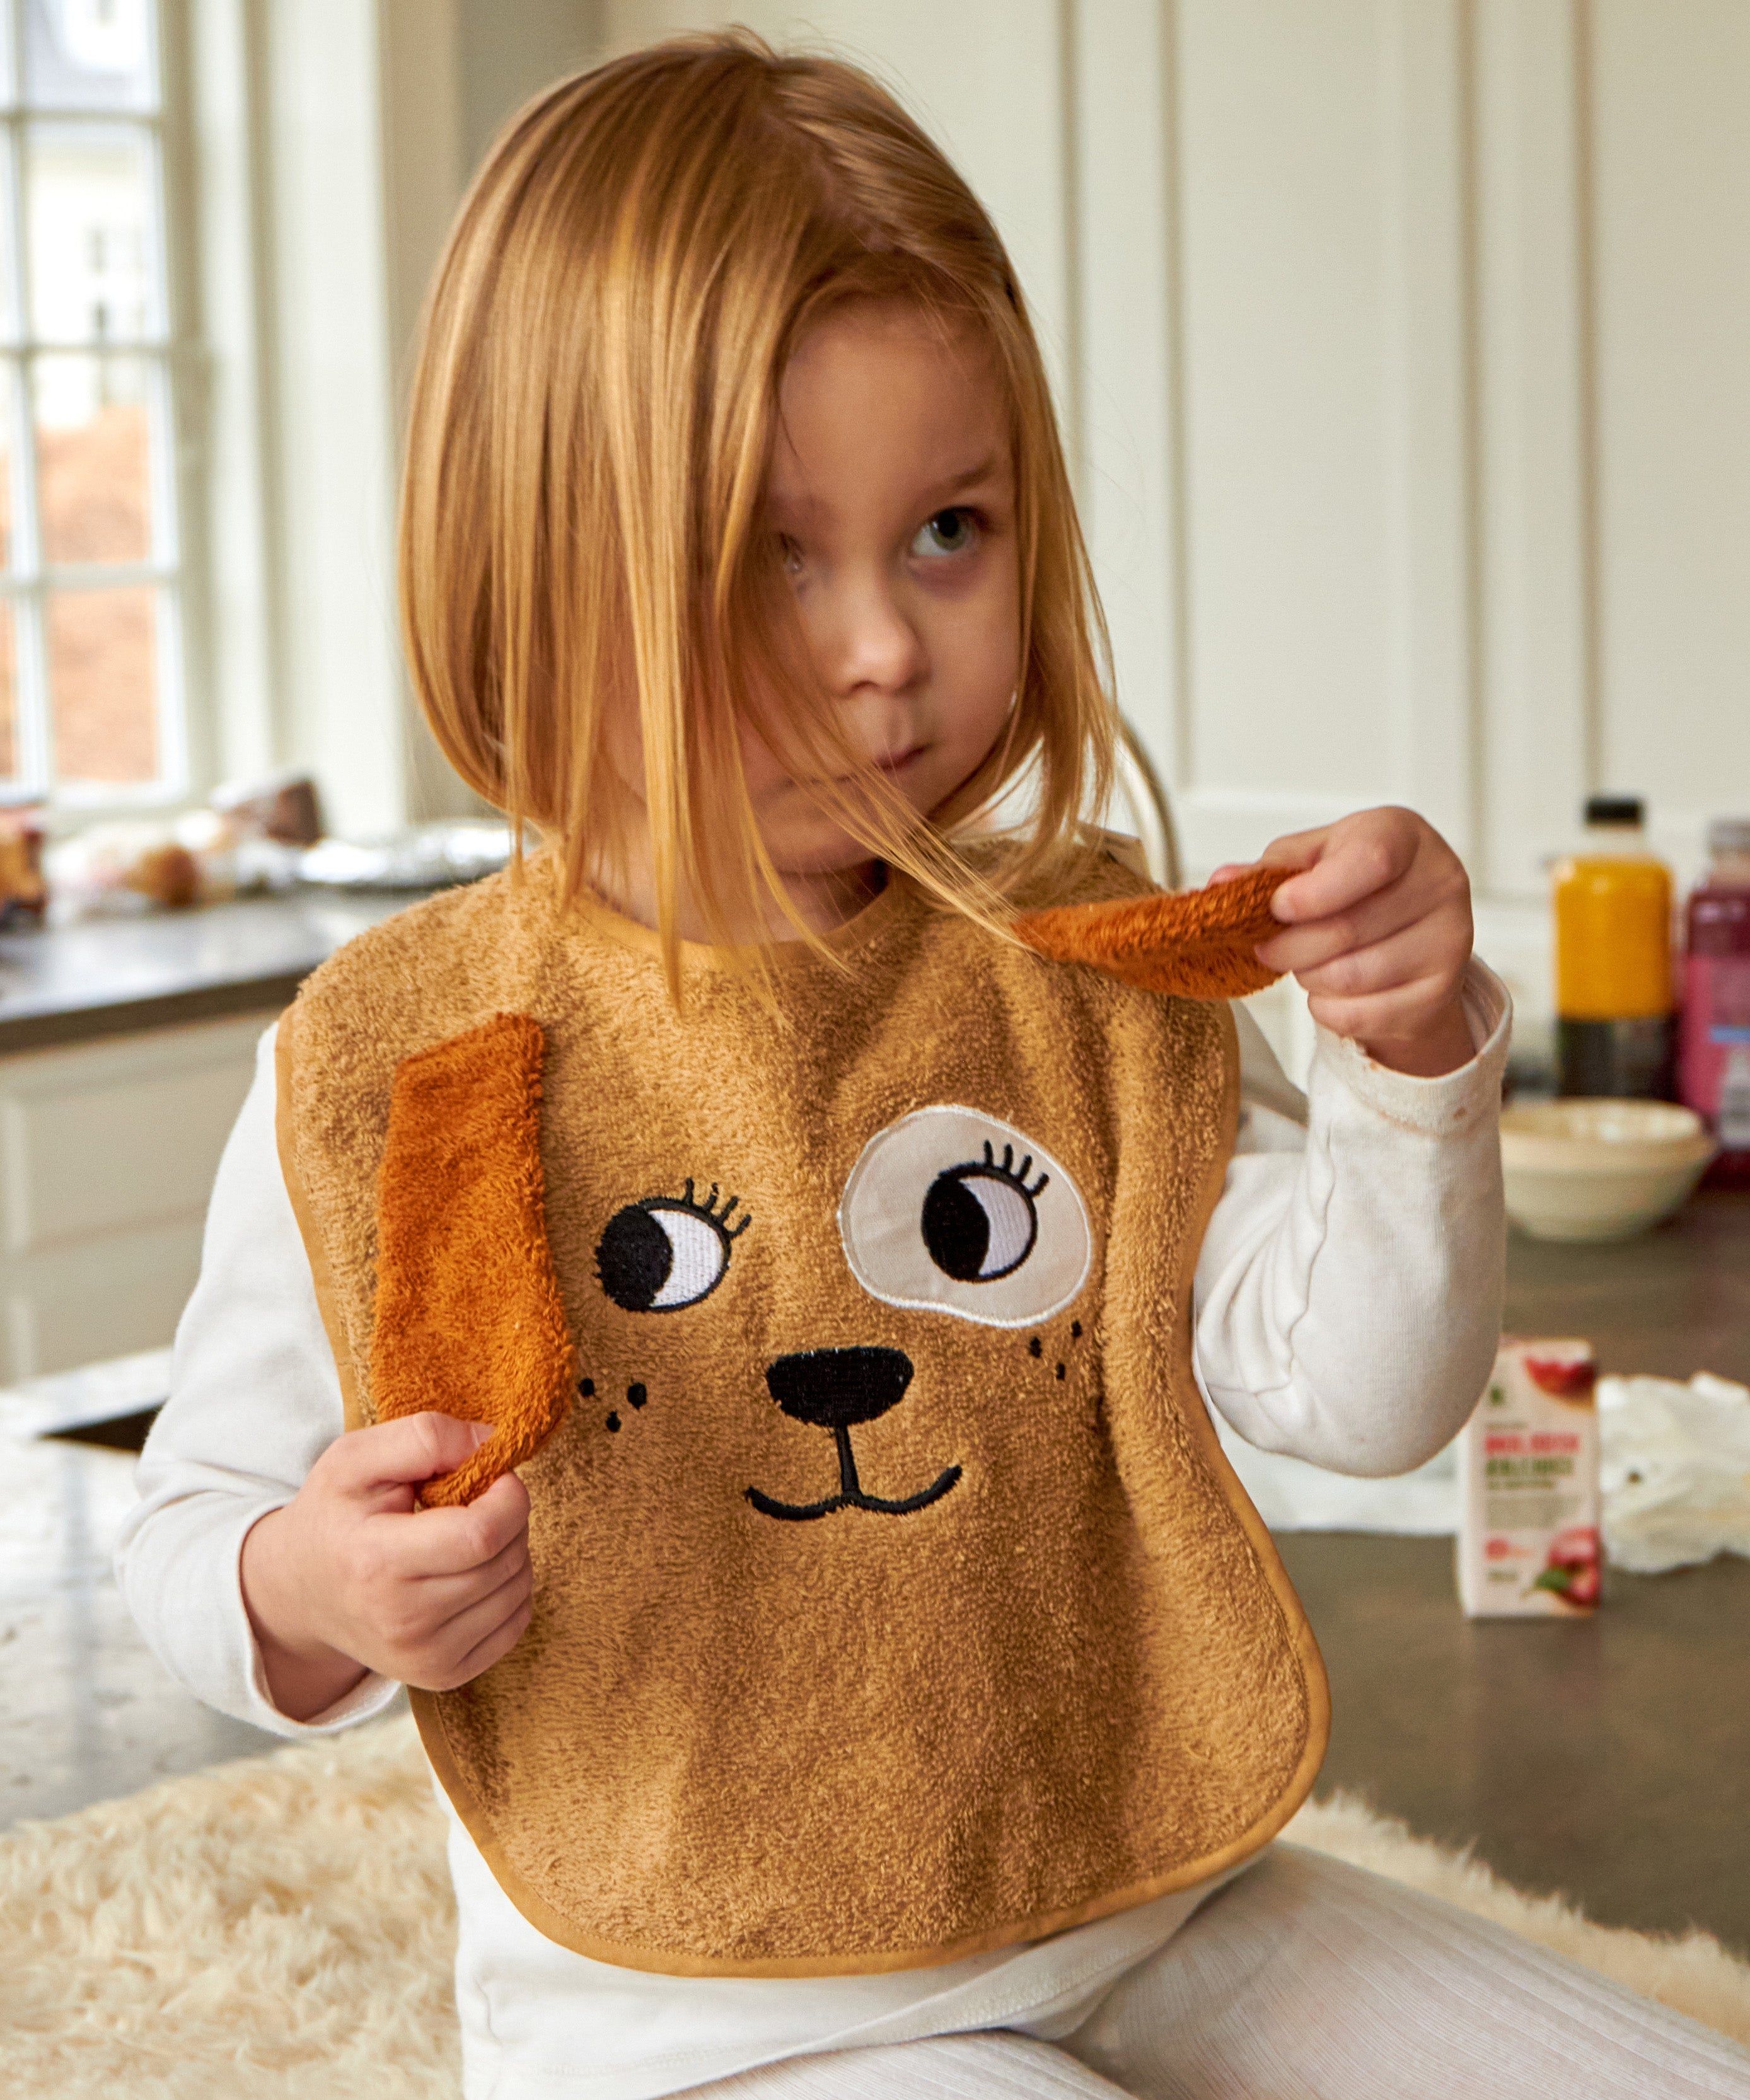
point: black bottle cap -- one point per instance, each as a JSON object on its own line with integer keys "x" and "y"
{"x": 1615, "y": 810}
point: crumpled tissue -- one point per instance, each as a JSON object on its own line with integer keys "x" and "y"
{"x": 1675, "y": 1464}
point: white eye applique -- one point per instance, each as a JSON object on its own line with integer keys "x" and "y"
{"x": 948, "y": 1210}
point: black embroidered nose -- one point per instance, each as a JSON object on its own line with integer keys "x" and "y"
{"x": 835, "y": 1387}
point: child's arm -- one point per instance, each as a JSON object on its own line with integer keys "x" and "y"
{"x": 254, "y": 1418}
{"x": 1349, "y": 1284}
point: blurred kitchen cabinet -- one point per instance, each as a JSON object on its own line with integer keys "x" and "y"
{"x": 107, "y": 1151}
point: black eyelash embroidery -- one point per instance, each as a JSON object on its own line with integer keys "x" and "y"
{"x": 1007, "y": 1169}
{"x": 687, "y": 1201}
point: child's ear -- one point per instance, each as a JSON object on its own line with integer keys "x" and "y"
{"x": 469, "y": 1322}
{"x": 1196, "y": 943}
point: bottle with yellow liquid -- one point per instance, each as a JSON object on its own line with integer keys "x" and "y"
{"x": 1616, "y": 1030}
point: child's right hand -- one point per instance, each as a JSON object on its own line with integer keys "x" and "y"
{"x": 352, "y": 1576}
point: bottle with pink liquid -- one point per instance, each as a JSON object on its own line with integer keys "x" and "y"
{"x": 1713, "y": 1070}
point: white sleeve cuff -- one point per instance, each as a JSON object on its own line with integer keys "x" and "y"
{"x": 364, "y": 1702}
{"x": 369, "y": 1698}
{"x": 1449, "y": 1106}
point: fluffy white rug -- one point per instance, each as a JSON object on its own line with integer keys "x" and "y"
{"x": 282, "y": 1928}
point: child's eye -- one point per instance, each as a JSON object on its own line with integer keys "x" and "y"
{"x": 790, "y": 555}
{"x": 948, "y": 532}
{"x": 663, "y": 1252}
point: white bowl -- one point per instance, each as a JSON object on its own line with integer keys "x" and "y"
{"x": 1598, "y": 1169}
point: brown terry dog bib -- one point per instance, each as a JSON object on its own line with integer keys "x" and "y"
{"x": 893, "y": 1599}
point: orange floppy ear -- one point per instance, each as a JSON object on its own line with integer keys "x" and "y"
{"x": 1197, "y": 943}
{"x": 470, "y": 1320}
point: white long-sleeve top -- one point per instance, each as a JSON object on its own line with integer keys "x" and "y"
{"x": 1347, "y": 1307}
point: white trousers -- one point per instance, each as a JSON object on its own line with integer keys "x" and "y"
{"x": 1307, "y": 1979}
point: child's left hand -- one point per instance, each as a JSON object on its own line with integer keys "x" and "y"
{"x": 1378, "y": 932}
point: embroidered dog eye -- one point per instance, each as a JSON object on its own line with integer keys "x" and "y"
{"x": 980, "y": 1218}
{"x": 950, "y": 1210}
{"x": 663, "y": 1252}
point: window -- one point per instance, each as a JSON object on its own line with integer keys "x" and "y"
{"x": 91, "y": 703}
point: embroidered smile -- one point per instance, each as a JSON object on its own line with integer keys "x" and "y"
{"x": 834, "y": 1389}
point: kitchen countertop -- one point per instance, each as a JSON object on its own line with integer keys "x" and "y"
{"x": 1607, "y": 1758}
{"x": 1674, "y": 1302}
{"x": 86, "y": 1711}
{"x": 158, "y": 970}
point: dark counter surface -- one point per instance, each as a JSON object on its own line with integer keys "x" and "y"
{"x": 112, "y": 976}
{"x": 1607, "y": 1758}
{"x": 1674, "y": 1302}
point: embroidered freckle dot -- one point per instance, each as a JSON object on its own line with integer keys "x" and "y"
{"x": 1075, "y": 1330}
{"x": 1035, "y": 1347}
{"x": 586, "y": 1387}
{"x": 636, "y": 1396}
{"x": 1060, "y": 1371}
{"x": 613, "y": 1422}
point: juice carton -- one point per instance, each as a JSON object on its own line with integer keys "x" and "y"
{"x": 1528, "y": 1542}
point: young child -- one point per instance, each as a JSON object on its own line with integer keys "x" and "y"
{"x": 877, "y": 1683}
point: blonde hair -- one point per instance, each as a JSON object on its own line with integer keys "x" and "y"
{"x": 591, "y": 423}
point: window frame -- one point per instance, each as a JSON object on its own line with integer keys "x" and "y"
{"x": 173, "y": 354}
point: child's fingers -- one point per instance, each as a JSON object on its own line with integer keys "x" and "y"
{"x": 492, "y": 1648}
{"x": 446, "y": 1583}
{"x": 424, "y": 1626}
{"x": 1352, "y": 867}
{"x": 1379, "y": 1018}
{"x": 412, "y": 1449}
{"x": 418, "y": 1639}
{"x": 472, "y": 1535}
{"x": 1297, "y": 848}
{"x": 1403, "y": 958}
{"x": 1294, "y": 850}
{"x": 475, "y": 1639}
{"x": 1379, "y": 917}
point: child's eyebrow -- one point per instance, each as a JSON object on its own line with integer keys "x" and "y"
{"x": 957, "y": 484}
{"x": 801, "y": 506}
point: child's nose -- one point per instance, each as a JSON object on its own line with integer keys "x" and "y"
{"x": 874, "y": 642}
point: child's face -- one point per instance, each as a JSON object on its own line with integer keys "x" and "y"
{"x": 892, "y": 498}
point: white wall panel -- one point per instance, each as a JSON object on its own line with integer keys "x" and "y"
{"x": 333, "y": 414}
{"x": 985, "y": 76}
{"x": 1535, "y": 458}
{"x": 1284, "y": 347}
{"x": 1312, "y": 539}
{"x": 1671, "y": 134}
{"x": 1125, "y": 240}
